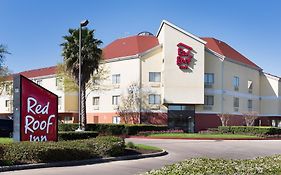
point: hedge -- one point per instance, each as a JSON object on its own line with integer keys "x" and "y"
{"x": 115, "y": 129}
{"x": 36, "y": 152}
{"x": 73, "y": 135}
{"x": 253, "y": 130}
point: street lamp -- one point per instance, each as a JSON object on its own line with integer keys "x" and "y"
{"x": 82, "y": 24}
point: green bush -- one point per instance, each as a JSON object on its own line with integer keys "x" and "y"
{"x": 68, "y": 127}
{"x": 135, "y": 129}
{"x": 115, "y": 129}
{"x": 262, "y": 165}
{"x": 252, "y": 130}
{"x": 107, "y": 129}
{"x": 73, "y": 135}
{"x": 35, "y": 152}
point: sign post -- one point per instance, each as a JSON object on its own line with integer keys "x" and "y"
{"x": 35, "y": 112}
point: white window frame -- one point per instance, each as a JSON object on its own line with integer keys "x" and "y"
{"x": 250, "y": 105}
{"x": 235, "y": 83}
{"x": 116, "y": 119}
{"x": 154, "y": 77}
{"x": 250, "y": 86}
{"x": 96, "y": 101}
{"x": 116, "y": 78}
{"x": 209, "y": 100}
{"x": 154, "y": 99}
{"x": 209, "y": 78}
{"x": 115, "y": 99}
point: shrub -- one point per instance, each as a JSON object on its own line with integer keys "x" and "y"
{"x": 68, "y": 127}
{"x": 73, "y": 135}
{"x": 35, "y": 152}
{"x": 115, "y": 129}
{"x": 253, "y": 130}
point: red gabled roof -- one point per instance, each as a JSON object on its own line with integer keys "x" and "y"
{"x": 129, "y": 46}
{"x": 226, "y": 50}
{"x": 39, "y": 72}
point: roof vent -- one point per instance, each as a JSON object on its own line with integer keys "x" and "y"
{"x": 145, "y": 33}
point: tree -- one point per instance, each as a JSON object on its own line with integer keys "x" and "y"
{"x": 132, "y": 104}
{"x": 91, "y": 56}
{"x": 4, "y": 72}
{"x": 250, "y": 118}
{"x": 3, "y": 52}
{"x": 224, "y": 117}
{"x": 94, "y": 84}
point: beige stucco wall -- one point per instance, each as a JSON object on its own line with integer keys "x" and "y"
{"x": 182, "y": 86}
{"x": 270, "y": 98}
{"x": 129, "y": 70}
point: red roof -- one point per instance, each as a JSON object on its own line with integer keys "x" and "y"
{"x": 40, "y": 72}
{"x": 129, "y": 46}
{"x": 226, "y": 50}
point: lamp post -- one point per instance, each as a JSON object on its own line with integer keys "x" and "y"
{"x": 82, "y": 24}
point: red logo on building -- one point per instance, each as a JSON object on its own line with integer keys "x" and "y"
{"x": 38, "y": 112}
{"x": 184, "y": 56}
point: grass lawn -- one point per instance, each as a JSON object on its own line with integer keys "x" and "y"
{"x": 197, "y": 135}
{"x": 147, "y": 147}
{"x": 265, "y": 165}
{"x": 5, "y": 140}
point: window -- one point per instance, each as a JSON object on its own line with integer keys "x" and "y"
{"x": 154, "y": 76}
{"x": 209, "y": 100}
{"x": 7, "y": 103}
{"x": 116, "y": 79}
{"x": 236, "y": 102}
{"x": 250, "y": 105}
{"x": 96, "y": 101}
{"x": 116, "y": 120}
{"x": 59, "y": 101}
{"x": 39, "y": 82}
{"x": 236, "y": 83}
{"x": 7, "y": 88}
{"x": 154, "y": 99}
{"x": 250, "y": 86}
{"x": 115, "y": 99}
{"x": 209, "y": 78}
{"x": 67, "y": 119}
{"x": 58, "y": 82}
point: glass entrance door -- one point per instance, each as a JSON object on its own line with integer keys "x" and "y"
{"x": 181, "y": 117}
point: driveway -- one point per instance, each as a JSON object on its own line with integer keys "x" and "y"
{"x": 178, "y": 150}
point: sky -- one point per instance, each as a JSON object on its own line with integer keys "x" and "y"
{"x": 32, "y": 30}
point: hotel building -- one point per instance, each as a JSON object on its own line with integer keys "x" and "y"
{"x": 188, "y": 81}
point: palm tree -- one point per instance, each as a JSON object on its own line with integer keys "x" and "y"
{"x": 91, "y": 56}
{"x": 3, "y": 51}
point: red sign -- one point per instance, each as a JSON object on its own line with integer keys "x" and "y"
{"x": 184, "y": 56}
{"x": 39, "y": 113}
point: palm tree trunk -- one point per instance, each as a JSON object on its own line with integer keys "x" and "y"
{"x": 83, "y": 106}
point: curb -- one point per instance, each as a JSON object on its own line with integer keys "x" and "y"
{"x": 176, "y": 138}
{"x": 80, "y": 162}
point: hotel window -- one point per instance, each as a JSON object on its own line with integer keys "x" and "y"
{"x": 154, "y": 76}
{"x": 115, "y": 99}
{"x": 7, "y": 103}
{"x": 67, "y": 119}
{"x": 236, "y": 83}
{"x": 154, "y": 99}
{"x": 250, "y": 105}
{"x": 209, "y": 79}
{"x": 116, "y": 120}
{"x": 116, "y": 79}
{"x": 236, "y": 104}
{"x": 39, "y": 82}
{"x": 96, "y": 101}
{"x": 250, "y": 86}
{"x": 58, "y": 82}
{"x": 59, "y": 100}
{"x": 209, "y": 100}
